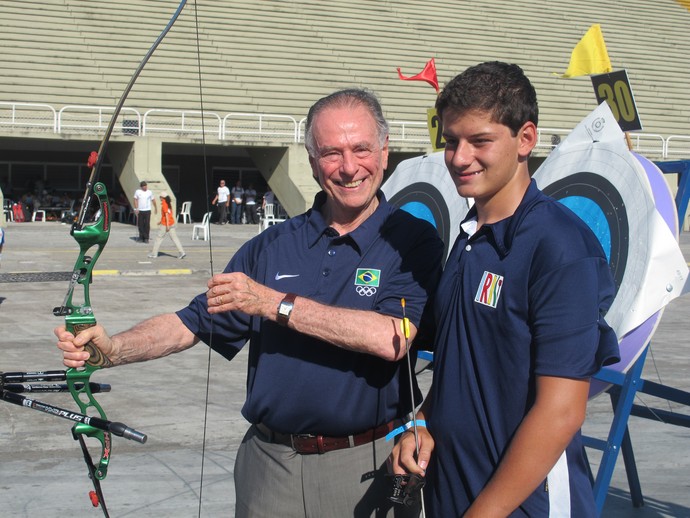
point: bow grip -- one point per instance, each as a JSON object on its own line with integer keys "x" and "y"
{"x": 96, "y": 356}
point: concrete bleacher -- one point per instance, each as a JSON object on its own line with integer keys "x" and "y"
{"x": 277, "y": 57}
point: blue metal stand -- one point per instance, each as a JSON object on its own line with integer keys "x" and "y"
{"x": 623, "y": 391}
{"x": 682, "y": 169}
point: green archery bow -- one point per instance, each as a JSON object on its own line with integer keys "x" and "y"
{"x": 91, "y": 231}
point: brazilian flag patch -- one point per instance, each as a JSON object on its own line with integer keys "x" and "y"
{"x": 367, "y": 277}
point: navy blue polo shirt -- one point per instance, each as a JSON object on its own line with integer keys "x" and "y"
{"x": 299, "y": 384}
{"x": 522, "y": 297}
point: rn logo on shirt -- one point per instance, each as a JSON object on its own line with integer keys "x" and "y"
{"x": 489, "y": 289}
{"x": 366, "y": 281}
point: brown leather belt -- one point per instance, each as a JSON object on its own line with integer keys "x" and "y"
{"x": 307, "y": 443}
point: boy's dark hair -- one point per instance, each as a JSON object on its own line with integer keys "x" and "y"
{"x": 499, "y": 88}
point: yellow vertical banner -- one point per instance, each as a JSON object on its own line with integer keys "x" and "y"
{"x": 433, "y": 122}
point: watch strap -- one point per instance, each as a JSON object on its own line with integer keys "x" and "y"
{"x": 289, "y": 300}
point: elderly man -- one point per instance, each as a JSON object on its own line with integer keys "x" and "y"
{"x": 319, "y": 299}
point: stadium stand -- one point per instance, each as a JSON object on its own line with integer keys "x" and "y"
{"x": 262, "y": 64}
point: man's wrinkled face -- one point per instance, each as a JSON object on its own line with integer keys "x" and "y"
{"x": 350, "y": 159}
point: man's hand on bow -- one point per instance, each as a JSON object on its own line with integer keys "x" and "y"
{"x": 73, "y": 352}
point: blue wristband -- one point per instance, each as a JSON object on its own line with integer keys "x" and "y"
{"x": 404, "y": 428}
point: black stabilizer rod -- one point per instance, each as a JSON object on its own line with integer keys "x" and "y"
{"x": 119, "y": 429}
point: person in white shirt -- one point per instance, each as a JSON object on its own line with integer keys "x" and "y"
{"x": 223, "y": 200}
{"x": 143, "y": 200}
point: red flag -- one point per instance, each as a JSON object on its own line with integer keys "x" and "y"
{"x": 428, "y": 75}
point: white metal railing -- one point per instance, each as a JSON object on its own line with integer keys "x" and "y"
{"x": 643, "y": 143}
{"x": 181, "y": 122}
{"x": 301, "y": 129}
{"x": 28, "y": 115}
{"x": 261, "y": 126}
{"x": 677, "y": 146}
{"x": 402, "y": 131}
{"x": 95, "y": 119}
{"x": 549, "y": 138}
{"x": 648, "y": 144}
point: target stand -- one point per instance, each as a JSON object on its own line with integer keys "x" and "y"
{"x": 625, "y": 200}
{"x": 682, "y": 169}
{"x": 623, "y": 391}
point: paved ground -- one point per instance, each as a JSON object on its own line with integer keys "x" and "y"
{"x": 41, "y": 469}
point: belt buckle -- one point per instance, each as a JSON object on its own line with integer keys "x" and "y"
{"x": 299, "y": 436}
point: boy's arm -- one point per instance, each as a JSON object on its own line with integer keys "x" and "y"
{"x": 545, "y": 432}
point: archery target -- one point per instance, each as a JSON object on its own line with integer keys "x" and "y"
{"x": 423, "y": 187}
{"x": 615, "y": 193}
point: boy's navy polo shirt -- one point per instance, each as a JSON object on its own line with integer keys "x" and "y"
{"x": 299, "y": 384}
{"x": 522, "y": 297}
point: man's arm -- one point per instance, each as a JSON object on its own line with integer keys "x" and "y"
{"x": 356, "y": 330}
{"x": 541, "y": 438}
{"x": 153, "y": 338}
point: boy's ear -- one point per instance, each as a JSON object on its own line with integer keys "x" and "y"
{"x": 528, "y": 136}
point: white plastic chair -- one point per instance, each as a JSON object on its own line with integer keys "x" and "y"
{"x": 40, "y": 212}
{"x": 202, "y": 228}
{"x": 186, "y": 212}
{"x": 7, "y": 208}
{"x": 267, "y": 217}
{"x": 270, "y": 216}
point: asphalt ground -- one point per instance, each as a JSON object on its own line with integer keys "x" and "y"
{"x": 189, "y": 404}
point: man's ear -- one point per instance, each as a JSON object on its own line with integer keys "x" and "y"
{"x": 384, "y": 155}
{"x": 314, "y": 170}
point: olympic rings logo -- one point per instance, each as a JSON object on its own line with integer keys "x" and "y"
{"x": 366, "y": 291}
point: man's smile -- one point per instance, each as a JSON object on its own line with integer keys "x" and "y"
{"x": 351, "y": 184}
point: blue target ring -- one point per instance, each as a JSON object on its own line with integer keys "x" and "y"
{"x": 421, "y": 211}
{"x": 594, "y": 217}
{"x": 597, "y": 201}
{"x": 424, "y": 201}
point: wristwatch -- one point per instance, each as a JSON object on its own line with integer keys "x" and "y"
{"x": 285, "y": 309}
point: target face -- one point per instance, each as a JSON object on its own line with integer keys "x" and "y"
{"x": 423, "y": 187}
{"x": 612, "y": 190}
{"x": 597, "y": 201}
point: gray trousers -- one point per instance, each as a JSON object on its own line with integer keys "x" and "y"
{"x": 222, "y": 212}
{"x": 272, "y": 480}
{"x": 161, "y": 235}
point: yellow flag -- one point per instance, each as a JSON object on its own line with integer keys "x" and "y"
{"x": 589, "y": 55}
